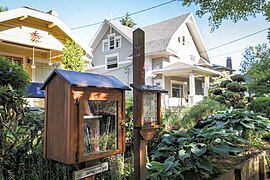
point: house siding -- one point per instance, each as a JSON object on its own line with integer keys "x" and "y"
{"x": 124, "y": 51}
{"x": 185, "y": 51}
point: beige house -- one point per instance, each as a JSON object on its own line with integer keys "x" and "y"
{"x": 175, "y": 57}
{"x": 35, "y": 39}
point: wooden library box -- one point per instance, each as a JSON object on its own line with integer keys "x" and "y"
{"x": 84, "y": 116}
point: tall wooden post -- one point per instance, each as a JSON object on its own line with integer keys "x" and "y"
{"x": 139, "y": 79}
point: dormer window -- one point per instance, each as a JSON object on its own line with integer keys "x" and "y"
{"x": 183, "y": 40}
{"x": 112, "y": 42}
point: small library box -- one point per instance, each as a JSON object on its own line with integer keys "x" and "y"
{"x": 84, "y": 116}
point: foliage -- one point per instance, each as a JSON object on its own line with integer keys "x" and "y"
{"x": 229, "y": 90}
{"x": 182, "y": 153}
{"x": 256, "y": 65}
{"x": 200, "y": 111}
{"x": 119, "y": 168}
{"x": 261, "y": 105}
{"x": 128, "y": 21}
{"x": 12, "y": 73}
{"x": 21, "y": 132}
{"x": 240, "y": 120}
{"x": 73, "y": 56}
{"x": 218, "y": 10}
{"x": 129, "y": 121}
{"x": 2, "y": 9}
{"x": 191, "y": 151}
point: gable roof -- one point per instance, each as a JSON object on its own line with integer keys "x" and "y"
{"x": 158, "y": 36}
{"x": 36, "y": 19}
{"x": 125, "y": 31}
{"x": 82, "y": 79}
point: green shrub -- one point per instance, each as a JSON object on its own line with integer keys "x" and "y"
{"x": 12, "y": 73}
{"x": 224, "y": 83}
{"x": 217, "y": 91}
{"x": 234, "y": 87}
{"x": 261, "y": 105}
{"x": 238, "y": 78}
{"x": 200, "y": 111}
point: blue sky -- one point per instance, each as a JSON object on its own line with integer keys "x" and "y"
{"x": 84, "y": 12}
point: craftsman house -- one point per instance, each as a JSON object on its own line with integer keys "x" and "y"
{"x": 35, "y": 40}
{"x": 175, "y": 57}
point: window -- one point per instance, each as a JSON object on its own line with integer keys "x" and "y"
{"x": 118, "y": 42}
{"x": 183, "y": 40}
{"x": 105, "y": 45}
{"x": 112, "y": 61}
{"x": 177, "y": 90}
{"x": 112, "y": 42}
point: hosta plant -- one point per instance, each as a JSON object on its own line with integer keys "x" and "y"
{"x": 192, "y": 151}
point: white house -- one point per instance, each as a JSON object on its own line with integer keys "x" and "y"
{"x": 175, "y": 57}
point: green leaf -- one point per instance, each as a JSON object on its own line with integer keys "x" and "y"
{"x": 183, "y": 155}
{"x": 221, "y": 149}
{"x": 205, "y": 164}
{"x": 248, "y": 125}
{"x": 167, "y": 166}
{"x": 170, "y": 159}
{"x": 236, "y": 150}
{"x": 198, "y": 151}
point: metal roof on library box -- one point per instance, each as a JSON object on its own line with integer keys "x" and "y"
{"x": 83, "y": 79}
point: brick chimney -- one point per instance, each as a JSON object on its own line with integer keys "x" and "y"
{"x": 229, "y": 62}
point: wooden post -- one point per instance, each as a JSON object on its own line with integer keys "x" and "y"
{"x": 138, "y": 79}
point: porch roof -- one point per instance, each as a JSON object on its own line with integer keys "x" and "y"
{"x": 32, "y": 18}
{"x": 183, "y": 68}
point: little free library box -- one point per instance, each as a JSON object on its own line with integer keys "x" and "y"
{"x": 84, "y": 116}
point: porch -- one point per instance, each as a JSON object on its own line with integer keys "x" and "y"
{"x": 187, "y": 84}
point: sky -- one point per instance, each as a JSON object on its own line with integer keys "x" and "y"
{"x": 84, "y": 12}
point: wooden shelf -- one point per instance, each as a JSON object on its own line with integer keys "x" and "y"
{"x": 91, "y": 117}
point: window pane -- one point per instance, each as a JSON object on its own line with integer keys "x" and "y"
{"x": 112, "y": 62}
{"x": 177, "y": 90}
{"x": 111, "y": 42}
{"x": 150, "y": 108}
{"x": 100, "y": 126}
{"x": 117, "y": 42}
{"x": 105, "y": 46}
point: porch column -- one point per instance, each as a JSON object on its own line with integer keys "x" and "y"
{"x": 206, "y": 86}
{"x": 191, "y": 89}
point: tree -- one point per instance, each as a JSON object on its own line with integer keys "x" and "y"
{"x": 2, "y": 9}
{"x": 256, "y": 65}
{"x": 219, "y": 10}
{"x": 128, "y": 21}
{"x": 73, "y": 56}
{"x": 230, "y": 91}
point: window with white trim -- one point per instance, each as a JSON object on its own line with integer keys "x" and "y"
{"x": 112, "y": 42}
{"x": 177, "y": 90}
{"x": 112, "y": 61}
{"x": 105, "y": 45}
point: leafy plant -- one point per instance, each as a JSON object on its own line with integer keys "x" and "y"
{"x": 181, "y": 152}
{"x": 200, "y": 111}
{"x": 73, "y": 56}
{"x": 13, "y": 74}
{"x": 249, "y": 125}
{"x": 261, "y": 105}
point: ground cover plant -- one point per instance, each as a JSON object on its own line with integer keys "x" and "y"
{"x": 191, "y": 154}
